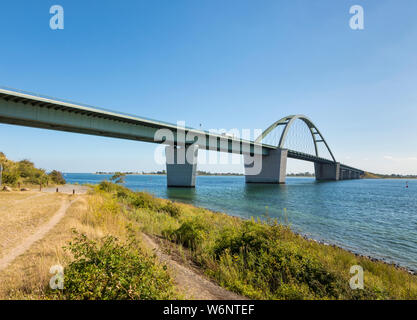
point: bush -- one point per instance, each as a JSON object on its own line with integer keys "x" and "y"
{"x": 190, "y": 234}
{"x": 10, "y": 177}
{"x": 22, "y": 172}
{"x": 111, "y": 270}
{"x": 108, "y": 186}
{"x": 250, "y": 236}
{"x": 146, "y": 201}
{"x": 26, "y": 168}
{"x": 172, "y": 209}
{"x": 281, "y": 267}
{"x": 57, "y": 177}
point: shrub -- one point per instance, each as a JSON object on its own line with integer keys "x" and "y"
{"x": 190, "y": 234}
{"x": 23, "y": 171}
{"x": 144, "y": 200}
{"x": 107, "y": 186}
{"x": 57, "y": 177}
{"x": 250, "y": 236}
{"x": 280, "y": 266}
{"x": 26, "y": 168}
{"x": 123, "y": 194}
{"x": 108, "y": 269}
{"x": 172, "y": 209}
{"x": 10, "y": 177}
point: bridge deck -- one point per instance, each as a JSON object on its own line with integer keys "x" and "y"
{"x": 33, "y": 110}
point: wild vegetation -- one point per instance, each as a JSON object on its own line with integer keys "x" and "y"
{"x": 99, "y": 247}
{"x": 106, "y": 259}
{"x": 261, "y": 259}
{"x": 24, "y": 172}
{"x": 56, "y": 177}
{"x": 109, "y": 270}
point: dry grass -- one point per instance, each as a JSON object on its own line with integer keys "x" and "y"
{"x": 21, "y": 214}
{"x": 28, "y": 276}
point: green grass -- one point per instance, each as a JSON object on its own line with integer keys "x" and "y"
{"x": 261, "y": 259}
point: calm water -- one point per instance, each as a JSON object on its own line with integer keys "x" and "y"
{"x": 373, "y": 217}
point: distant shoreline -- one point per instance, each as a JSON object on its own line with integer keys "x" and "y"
{"x": 370, "y": 175}
{"x": 199, "y": 173}
{"x": 367, "y": 176}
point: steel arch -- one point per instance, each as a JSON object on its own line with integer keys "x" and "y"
{"x": 287, "y": 122}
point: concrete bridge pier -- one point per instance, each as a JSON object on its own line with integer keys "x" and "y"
{"x": 181, "y": 166}
{"x": 272, "y": 167}
{"x": 327, "y": 171}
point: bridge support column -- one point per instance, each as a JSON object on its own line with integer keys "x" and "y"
{"x": 181, "y": 166}
{"x": 273, "y": 168}
{"x": 327, "y": 171}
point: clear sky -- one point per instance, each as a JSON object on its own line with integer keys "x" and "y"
{"x": 224, "y": 64}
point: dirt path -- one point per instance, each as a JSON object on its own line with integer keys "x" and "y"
{"x": 68, "y": 189}
{"x": 191, "y": 284}
{"x": 38, "y": 235}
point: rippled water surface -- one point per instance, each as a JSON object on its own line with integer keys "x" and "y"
{"x": 372, "y": 217}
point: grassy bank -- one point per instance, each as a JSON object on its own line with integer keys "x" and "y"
{"x": 99, "y": 244}
{"x": 260, "y": 260}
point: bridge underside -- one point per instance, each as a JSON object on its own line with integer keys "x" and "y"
{"x": 31, "y": 110}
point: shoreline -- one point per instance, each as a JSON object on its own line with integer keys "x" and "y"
{"x": 251, "y": 255}
{"x": 358, "y": 254}
{"x": 319, "y": 241}
{"x": 303, "y": 235}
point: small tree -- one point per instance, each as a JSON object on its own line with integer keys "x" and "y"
{"x": 118, "y": 178}
{"x": 10, "y": 177}
{"x": 57, "y": 177}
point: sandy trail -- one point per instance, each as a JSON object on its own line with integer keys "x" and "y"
{"x": 67, "y": 188}
{"x": 38, "y": 235}
{"x": 191, "y": 284}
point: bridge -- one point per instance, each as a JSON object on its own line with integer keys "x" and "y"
{"x": 264, "y": 162}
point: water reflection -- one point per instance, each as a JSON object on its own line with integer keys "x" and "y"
{"x": 182, "y": 194}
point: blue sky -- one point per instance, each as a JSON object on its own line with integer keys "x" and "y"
{"x": 224, "y": 64}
